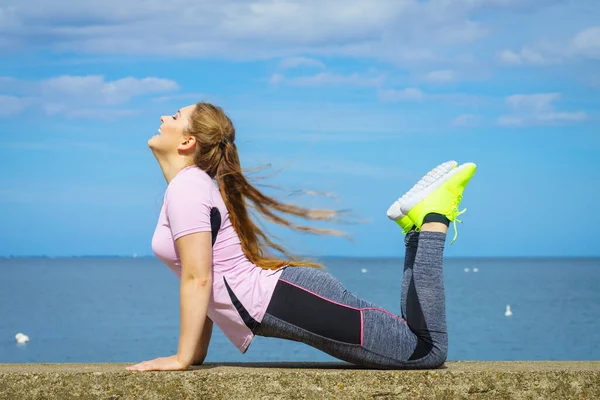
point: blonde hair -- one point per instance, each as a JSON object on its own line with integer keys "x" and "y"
{"x": 217, "y": 155}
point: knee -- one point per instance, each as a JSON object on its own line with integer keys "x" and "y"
{"x": 439, "y": 356}
{"x": 430, "y": 352}
{"x": 435, "y": 359}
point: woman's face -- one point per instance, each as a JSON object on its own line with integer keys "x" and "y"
{"x": 172, "y": 130}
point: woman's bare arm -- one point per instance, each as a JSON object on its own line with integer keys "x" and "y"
{"x": 195, "y": 251}
{"x": 203, "y": 342}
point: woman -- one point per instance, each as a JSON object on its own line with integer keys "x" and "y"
{"x": 206, "y": 236}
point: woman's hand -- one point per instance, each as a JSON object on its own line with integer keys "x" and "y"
{"x": 171, "y": 363}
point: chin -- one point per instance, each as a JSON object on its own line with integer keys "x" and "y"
{"x": 152, "y": 142}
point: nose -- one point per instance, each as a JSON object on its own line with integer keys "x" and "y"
{"x": 162, "y": 119}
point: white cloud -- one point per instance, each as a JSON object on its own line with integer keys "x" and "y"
{"x": 557, "y": 117}
{"x": 511, "y": 120}
{"x": 527, "y": 56}
{"x": 532, "y": 102}
{"x": 442, "y": 76}
{"x": 6, "y": 82}
{"x": 587, "y": 42}
{"x": 397, "y": 30}
{"x": 509, "y": 57}
{"x": 89, "y": 96}
{"x": 537, "y": 109}
{"x": 417, "y": 95}
{"x": 105, "y": 92}
{"x": 276, "y": 79}
{"x": 583, "y": 45}
{"x": 295, "y": 62}
{"x": 299, "y": 120}
{"x": 331, "y": 79}
{"x": 466, "y": 120}
{"x": 10, "y": 105}
{"x": 408, "y": 94}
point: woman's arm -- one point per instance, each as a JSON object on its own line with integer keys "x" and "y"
{"x": 195, "y": 252}
{"x": 202, "y": 348}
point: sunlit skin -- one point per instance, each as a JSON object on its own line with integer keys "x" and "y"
{"x": 174, "y": 150}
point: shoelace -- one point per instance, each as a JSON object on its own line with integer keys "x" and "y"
{"x": 454, "y": 213}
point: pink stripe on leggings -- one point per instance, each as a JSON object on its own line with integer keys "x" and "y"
{"x": 347, "y": 306}
{"x": 361, "y": 328}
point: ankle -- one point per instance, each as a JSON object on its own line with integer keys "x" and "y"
{"x": 434, "y": 227}
{"x": 436, "y": 217}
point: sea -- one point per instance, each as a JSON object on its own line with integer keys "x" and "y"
{"x": 90, "y": 310}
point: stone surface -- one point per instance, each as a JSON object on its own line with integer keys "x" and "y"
{"x": 456, "y": 380}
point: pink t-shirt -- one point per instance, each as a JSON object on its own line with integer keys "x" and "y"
{"x": 186, "y": 209}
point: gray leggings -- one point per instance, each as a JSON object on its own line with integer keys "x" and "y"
{"x": 309, "y": 305}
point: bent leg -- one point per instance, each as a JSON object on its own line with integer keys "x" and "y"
{"x": 311, "y": 306}
{"x": 411, "y": 242}
{"x": 424, "y": 304}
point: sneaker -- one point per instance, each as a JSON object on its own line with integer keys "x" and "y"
{"x": 442, "y": 197}
{"x": 395, "y": 212}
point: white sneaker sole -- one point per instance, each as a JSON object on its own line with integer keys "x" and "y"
{"x": 395, "y": 212}
{"x": 417, "y": 197}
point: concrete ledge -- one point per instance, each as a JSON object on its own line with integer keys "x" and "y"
{"x": 456, "y": 380}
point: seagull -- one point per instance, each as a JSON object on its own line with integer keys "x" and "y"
{"x": 364, "y": 270}
{"x": 508, "y": 313}
{"x": 475, "y": 269}
{"x": 21, "y": 338}
{"x": 466, "y": 269}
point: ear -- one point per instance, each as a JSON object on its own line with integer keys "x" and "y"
{"x": 189, "y": 143}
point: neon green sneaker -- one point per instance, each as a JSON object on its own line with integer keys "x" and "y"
{"x": 443, "y": 197}
{"x": 434, "y": 176}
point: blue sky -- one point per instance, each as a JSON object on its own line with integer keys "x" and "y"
{"x": 354, "y": 98}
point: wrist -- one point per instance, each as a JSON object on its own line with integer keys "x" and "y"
{"x": 185, "y": 361}
{"x": 198, "y": 360}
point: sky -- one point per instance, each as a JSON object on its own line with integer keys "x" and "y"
{"x": 353, "y": 99}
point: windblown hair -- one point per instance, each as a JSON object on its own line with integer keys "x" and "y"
{"x": 217, "y": 155}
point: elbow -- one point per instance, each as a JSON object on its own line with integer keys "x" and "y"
{"x": 200, "y": 281}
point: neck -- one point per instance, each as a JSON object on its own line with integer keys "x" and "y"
{"x": 171, "y": 167}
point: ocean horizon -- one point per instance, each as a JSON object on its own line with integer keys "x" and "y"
{"x": 126, "y": 309}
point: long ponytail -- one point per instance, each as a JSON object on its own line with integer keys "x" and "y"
{"x": 217, "y": 155}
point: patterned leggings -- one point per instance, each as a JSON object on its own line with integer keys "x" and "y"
{"x": 309, "y": 305}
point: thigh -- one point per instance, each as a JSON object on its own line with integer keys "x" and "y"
{"x": 311, "y": 306}
{"x": 314, "y": 300}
